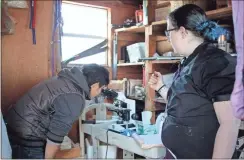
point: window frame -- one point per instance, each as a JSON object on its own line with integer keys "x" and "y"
{"x": 108, "y": 53}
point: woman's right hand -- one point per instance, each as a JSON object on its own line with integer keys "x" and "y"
{"x": 155, "y": 81}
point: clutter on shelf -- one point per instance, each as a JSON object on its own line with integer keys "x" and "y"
{"x": 17, "y": 4}
{"x": 134, "y": 89}
{"x": 137, "y": 20}
{"x": 139, "y": 15}
{"x": 127, "y": 23}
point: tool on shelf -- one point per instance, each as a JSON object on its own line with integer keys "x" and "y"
{"x": 160, "y": 58}
{"x": 126, "y": 24}
{"x": 32, "y": 24}
{"x": 139, "y": 15}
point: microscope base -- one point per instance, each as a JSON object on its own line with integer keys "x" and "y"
{"x": 119, "y": 128}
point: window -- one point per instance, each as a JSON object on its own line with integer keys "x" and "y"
{"x": 84, "y": 27}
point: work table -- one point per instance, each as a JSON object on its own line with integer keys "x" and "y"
{"x": 99, "y": 132}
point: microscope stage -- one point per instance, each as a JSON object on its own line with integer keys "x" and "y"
{"x": 119, "y": 128}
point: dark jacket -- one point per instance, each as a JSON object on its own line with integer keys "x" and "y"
{"x": 205, "y": 77}
{"x": 49, "y": 109}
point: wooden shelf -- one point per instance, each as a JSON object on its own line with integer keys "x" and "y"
{"x": 213, "y": 14}
{"x": 130, "y": 64}
{"x": 151, "y": 34}
{"x": 161, "y": 38}
{"x": 219, "y": 13}
{"x": 163, "y": 4}
{"x": 165, "y": 61}
{"x": 133, "y": 29}
{"x": 163, "y": 22}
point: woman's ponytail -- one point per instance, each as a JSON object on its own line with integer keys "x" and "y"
{"x": 211, "y": 31}
{"x": 193, "y": 18}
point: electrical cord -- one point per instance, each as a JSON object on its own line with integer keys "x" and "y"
{"x": 107, "y": 145}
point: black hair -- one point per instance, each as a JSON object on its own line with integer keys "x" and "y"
{"x": 193, "y": 18}
{"x": 95, "y": 73}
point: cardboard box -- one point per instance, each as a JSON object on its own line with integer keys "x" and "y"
{"x": 130, "y": 84}
{"x": 163, "y": 47}
{"x": 117, "y": 85}
{"x": 161, "y": 13}
{"x": 204, "y": 4}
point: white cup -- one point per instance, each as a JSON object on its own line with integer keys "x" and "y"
{"x": 146, "y": 117}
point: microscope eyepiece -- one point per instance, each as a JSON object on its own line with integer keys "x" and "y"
{"x": 109, "y": 93}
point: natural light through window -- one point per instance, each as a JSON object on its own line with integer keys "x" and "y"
{"x": 84, "y": 27}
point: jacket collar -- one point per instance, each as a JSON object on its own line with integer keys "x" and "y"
{"x": 198, "y": 50}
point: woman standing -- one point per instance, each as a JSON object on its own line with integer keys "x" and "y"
{"x": 200, "y": 122}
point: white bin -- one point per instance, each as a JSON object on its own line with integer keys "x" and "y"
{"x": 111, "y": 152}
{"x": 136, "y": 51}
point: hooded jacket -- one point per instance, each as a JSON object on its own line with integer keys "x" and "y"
{"x": 48, "y": 110}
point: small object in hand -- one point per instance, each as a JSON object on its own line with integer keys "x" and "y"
{"x": 155, "y": 74}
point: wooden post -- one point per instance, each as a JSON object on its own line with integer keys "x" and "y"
{"x": 150, "y": 42}
{"x": 151, "y": 11}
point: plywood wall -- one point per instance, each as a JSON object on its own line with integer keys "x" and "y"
{"x": 24, "y": 64}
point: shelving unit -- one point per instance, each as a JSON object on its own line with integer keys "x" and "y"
{"x": 133, "y": 29}
{"x": 220, "y": 13}
{"x": 157, "y": 23}
{"x": 152, "y": 33}
{"x": 214, "y": 14}
{"x": 160, "y": 26}
{"x": 165, "y": 61}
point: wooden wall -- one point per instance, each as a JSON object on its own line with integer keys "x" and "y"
{"x": 25, "y": 64}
